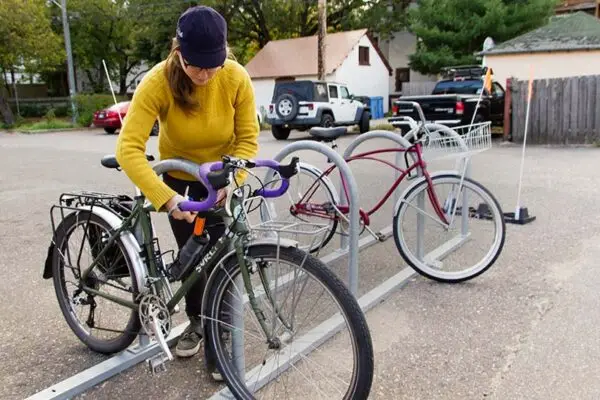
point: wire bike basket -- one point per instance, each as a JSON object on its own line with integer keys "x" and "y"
{"x": 470, "y": 139}
{"x": 296, "y": 230}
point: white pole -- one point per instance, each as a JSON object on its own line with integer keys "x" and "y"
{"x": 529, "y": 93}
{"x": 111, "y": 89}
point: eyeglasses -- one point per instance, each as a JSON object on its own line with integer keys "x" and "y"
{"x": 196, "y": 70}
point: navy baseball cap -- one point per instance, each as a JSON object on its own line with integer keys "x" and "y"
{"x": 202, "y": 37}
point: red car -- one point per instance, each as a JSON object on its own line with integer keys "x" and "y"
{"x": 108, "y": 118}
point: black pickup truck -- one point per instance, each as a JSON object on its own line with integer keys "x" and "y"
{"x": 453, "y": 101}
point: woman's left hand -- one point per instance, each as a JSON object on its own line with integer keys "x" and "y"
{"x": 221, "y": 195}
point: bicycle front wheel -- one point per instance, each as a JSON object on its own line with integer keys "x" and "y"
{"x": 313, "y": 340}
{"x": 458, "y": 252}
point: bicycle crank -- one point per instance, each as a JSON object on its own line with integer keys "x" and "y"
{"x": 156, "y": 322}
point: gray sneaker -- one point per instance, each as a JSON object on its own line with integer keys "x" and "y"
{"x": 190, "y": 340}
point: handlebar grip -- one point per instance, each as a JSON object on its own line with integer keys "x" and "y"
{"x": 286, "y": 172}
{"x": 215, "y": 176}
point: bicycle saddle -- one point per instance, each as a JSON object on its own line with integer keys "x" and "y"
{"x": 327, "y": 134}
{"x": 110, "y": 161}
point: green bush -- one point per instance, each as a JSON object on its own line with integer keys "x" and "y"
{"x": 31, "y": 110}
{"x": 48, "y": 124}
{"x": 85, "y": 118}
{"x": 87, "y": 104}
{"x": 50, "y": 115}
{"x": 62, "y": 111}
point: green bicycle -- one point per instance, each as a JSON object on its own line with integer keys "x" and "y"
{"x": 266, "y": 302}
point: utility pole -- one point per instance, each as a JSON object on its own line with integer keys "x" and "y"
{"x": 71, "y": 74}
{"x": 321, "y": 39}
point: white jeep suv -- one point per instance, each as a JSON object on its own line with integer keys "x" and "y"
{"x": 304, "y": 104}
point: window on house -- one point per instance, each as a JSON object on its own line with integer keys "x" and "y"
{"x": 402, "y": 75}
{"x": 363, "y": 55}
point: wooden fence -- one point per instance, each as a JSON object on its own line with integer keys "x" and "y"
{"x": 562, "y": 110}
{"x": 417, "y": 88}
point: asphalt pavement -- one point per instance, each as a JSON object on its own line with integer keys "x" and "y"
{"x": 526, "y": 329}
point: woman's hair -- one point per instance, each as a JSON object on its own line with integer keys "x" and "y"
{"x": 181, "y": 85}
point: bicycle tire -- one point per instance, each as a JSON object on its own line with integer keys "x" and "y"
{"x": 363, "y": 348}
{"x": 431, "y": 273}
{"x": 133, "y": 326}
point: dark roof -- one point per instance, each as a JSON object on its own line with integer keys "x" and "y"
{"x": 574, "y": 31}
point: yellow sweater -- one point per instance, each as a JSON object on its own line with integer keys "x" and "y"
{"x": 226, "y": 124}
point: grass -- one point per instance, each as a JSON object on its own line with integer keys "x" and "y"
{"x": 44, "y": 125}
{"x": 383, "y": 127}
{"x": 31, "y": 125}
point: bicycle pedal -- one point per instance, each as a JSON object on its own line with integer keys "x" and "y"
{"x": 158, "y": 363}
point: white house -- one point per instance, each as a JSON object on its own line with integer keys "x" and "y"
{"x": 397, "y": 50}
{"x": 569, "y": 45}
{"x": 351, "y": 57}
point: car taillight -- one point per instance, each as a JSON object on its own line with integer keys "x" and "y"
{"x": 270, "y": 108}
{"x": 395, "y": 109}
{"x": 310, "y": 106}
{"x": 460, "y": 108}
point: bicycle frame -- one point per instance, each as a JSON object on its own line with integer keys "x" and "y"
{"x": 309, "y": 209}
{"x": 235, "y": 237}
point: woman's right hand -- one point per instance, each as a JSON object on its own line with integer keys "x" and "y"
{"x": 176, "y": 213}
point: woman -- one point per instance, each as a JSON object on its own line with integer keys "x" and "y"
{"x": 206, "y": 109}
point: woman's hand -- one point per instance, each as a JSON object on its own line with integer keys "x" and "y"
{"x": 222, "y": 195}
{"x": 176, "y": 213}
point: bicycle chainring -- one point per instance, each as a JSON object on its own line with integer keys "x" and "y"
{"x": 345, "y": 226}
{"x": 153, "y": 307}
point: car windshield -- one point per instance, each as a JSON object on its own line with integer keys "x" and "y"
{"x": 472, "y": 86}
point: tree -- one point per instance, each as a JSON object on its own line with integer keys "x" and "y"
{"x": 26, "y": 41}
{"x": 102, "y": 30}
{"x": 450, "y": 32}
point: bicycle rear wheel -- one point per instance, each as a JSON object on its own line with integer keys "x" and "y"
{"x": 337, "y": 366}
{"x": 472, "y": 242}
{"x": 101, "y": 324}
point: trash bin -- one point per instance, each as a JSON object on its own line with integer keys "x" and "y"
{"x": 376, "y": 107}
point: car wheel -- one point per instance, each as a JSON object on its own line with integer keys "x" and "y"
{"x": 279, "y": 132}
{"x": 327, "y": 121}
{"x": 155, "y": 129}
{"x": 365, "y": 122}
{"x": 110, "y": 131}
{"x": 286, "y": 107}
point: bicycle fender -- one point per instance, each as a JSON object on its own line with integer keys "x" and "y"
{"x": 131, "y": 246}
{"x": 419, "y": 181}
{"x": 260, "y": 242}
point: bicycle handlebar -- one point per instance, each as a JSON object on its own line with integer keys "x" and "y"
{"x": 217, "y": 175}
